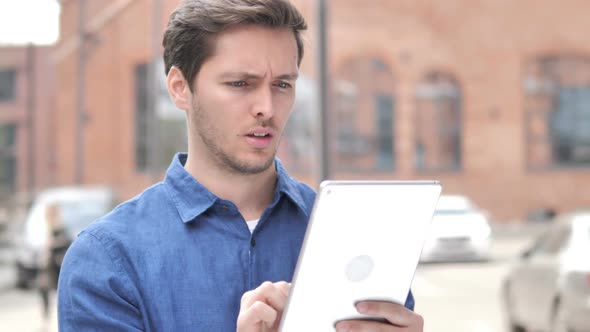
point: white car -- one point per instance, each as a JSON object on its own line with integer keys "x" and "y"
{"x": 548, "y": 286}
{"x": 79, "y": 206}
{"x": 459, "y": 232}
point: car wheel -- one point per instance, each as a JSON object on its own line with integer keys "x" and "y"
{"x": 21, "y": 277}
{"x": 22, "y": 284}
{"x": 559, "y": 322}
{"x": 25, "y": 277}
{"x": 512, "y": 327}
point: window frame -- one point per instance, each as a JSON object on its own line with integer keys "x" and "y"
{"x": 431, "y": 89}
{"x": 544, "y": 79}
{"x": 11, "y": 94}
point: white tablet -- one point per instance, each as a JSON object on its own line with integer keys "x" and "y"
{"x": 363, "y": 242}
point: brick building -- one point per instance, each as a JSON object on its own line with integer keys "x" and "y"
{"x": 490, "y": 97}
{"x": 26, "y": 117}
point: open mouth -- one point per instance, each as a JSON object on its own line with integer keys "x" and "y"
{"x": 261, "y": 135}
{"x": 259, "y": 140}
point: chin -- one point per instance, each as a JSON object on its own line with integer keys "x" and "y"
{"x": 251, "y": 165}
{"x": 262, "y": 165}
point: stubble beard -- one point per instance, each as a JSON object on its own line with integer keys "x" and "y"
{"x": 210, "y": 136}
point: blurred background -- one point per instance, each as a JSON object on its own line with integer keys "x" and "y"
{"x": 491, "y": 97}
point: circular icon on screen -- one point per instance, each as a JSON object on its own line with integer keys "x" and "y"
{"x": 359, "y": 268}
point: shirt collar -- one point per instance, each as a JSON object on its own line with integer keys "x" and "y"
{"x": 189, "y": 195}
{"x": 192, "y": 198}
{"x": 289, "y": 187}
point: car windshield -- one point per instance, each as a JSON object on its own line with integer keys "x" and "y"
{"x": 76, "y": 215}
{"x": 453, "y": 205}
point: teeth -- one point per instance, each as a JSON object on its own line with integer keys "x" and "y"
{"x": 259, "y": 134}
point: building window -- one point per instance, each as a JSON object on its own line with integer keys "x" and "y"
{"x": 347, "y": 143}
{"x": 159, "y": 132}
{"x": 384, "y": 144}
{"x": 363, "y": 116}
{"x": 298, "y": 150}
{"x": 7, "y": 85}
{"x": 437, "y": 143}
{"x": 7, "y": 159}
{"x": 557, "y": 112}
{"x": 141, "y": 117}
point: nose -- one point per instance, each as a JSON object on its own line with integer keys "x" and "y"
{"x": 263, "y": 103}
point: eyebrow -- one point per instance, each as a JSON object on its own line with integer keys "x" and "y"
{"x": 289, "y": 77}
{"x": 250, "y": 76}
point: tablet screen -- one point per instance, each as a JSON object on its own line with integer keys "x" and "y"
{"x": 363, "y": 242}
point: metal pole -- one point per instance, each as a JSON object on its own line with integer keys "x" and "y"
{"x": 32, "y": 91}
{"x": 80, "y": 96}
{"x": 323, "y": 95}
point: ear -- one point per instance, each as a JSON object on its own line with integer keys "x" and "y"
{"x": 179, "y": 89}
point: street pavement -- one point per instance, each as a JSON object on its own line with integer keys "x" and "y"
{"x": 465, "y": 297}
{"x": 452, "y": 297}
{"x": 20, "y": 311}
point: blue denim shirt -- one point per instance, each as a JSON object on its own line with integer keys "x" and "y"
{"x": 178, "y": 258}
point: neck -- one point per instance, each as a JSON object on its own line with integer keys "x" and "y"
{"x": 251, "y": 193}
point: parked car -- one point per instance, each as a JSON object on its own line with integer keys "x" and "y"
{"x": 460, "y": 232}
{"x": 548, "y": 287}
{"x": 78, "y": 207}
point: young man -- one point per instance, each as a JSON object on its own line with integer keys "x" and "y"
{"x": 211, "y": 248}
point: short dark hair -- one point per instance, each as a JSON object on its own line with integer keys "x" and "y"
{"x": 195, "y": 23}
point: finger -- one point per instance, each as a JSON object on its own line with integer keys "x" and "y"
{"x": 366, "y": 326}
{"x": 395, "y": 313}
{"x": 268, "y": 292}
{"x": 259, "y": 312}
{"x": 246, "y": 298}
{"x": 284, "y": 287}
{"x": 257, "y": 294}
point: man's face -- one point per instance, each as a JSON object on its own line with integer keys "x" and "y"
{"x": 243, "y": 96}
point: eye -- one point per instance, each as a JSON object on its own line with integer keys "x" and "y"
{"x": 283, "y": 85}
{"x": 238, "y": 84}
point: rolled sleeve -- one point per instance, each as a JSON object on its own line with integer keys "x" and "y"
{"x": 410, "y": 302}
{"x": 94, "y": 293}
